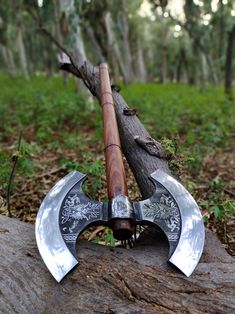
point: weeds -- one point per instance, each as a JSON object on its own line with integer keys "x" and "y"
{"x": 188, "y": 123}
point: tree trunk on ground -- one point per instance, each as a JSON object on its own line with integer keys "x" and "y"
{"x": 229, "y": 62}
{"x": 112, "y": 280}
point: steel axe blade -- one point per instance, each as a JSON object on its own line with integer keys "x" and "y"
{"x": 64, "y": 213}
{"x": 175, "y": 211}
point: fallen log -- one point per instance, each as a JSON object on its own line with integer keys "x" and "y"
{"x": 112, "y": 280}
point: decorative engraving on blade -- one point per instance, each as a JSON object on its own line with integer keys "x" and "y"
{"x": 70, "y": 237}
{"x": 75, "y": 209}
{"x": 167, "y": 210}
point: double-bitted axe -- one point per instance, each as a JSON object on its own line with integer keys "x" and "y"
{"x": 66, "y": 211}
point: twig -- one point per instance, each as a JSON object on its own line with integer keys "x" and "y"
{"x": 71, "y": 66}
{"x": 229, "y": 192}
{"x": 16, "y": 157}
{"x": 37, "y": 17}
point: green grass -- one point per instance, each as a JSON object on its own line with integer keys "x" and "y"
{"x": 44, "y": 103}
{"x": 49, "y": 114}
{"x": 197, "y": 122}
{"x": 189, "y": 123}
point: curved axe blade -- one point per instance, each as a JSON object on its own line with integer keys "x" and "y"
{"x": 64, "y": 213}
{"x": 175, "y": 211}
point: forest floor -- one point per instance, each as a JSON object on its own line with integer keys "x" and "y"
{"x": 58, "y": 132}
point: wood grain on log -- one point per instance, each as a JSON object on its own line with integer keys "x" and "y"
{"x": 112, "y": 280}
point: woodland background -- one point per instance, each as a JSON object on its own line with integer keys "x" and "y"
{"x": 174, "y": 62}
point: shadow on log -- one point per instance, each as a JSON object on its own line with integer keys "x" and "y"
{"x": 112, "y": 280}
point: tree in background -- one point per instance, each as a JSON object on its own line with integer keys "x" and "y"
{"x": 142, "y": 40}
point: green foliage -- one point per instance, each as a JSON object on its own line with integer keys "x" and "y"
{"x": 5, "y": 166}
{"x": 49, "y": 113}
{"x": 188, "y": 123}
{"x": 108, "y": 237}
{"x": 169, "y": 146}
{"x": 200, "y": 122}
{"x": 46, "y": 103}
{"x": 90, "y": 166}
{"x": 225, "y": 210}
{"x": 24, "y": 164}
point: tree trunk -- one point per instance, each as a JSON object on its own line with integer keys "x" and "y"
{"x": 113, "y": 50}
{"x": 124, "y": 26}
{"x": 211, "y": 67}
{"x": 179, "y": 67}
{"x": 8, "y": 59}
{"x": 95, "y": 44}
{"x": 163, "y": 64}
{"x": 112, "y": 280}
{"x": 203, "y": 72}
{"x": 68, "y": 8}
{"x": 142, "y": 74}
{"x": 58, "y": 33}
{"x": 229, "y": 63}
{"x": 21, "y": 51}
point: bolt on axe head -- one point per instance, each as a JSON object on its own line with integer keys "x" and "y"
{"x": 66, "y": 211}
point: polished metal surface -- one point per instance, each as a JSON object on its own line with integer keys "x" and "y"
{"x": 51, "y": 245}
{"x": 191, "y": 241}
{"x": 121, "y": 207}
{"x": 66, "y": 211}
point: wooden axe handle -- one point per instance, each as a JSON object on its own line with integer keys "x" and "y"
{"x": 116, "y": 179}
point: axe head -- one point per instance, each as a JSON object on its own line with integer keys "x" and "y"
{"x": 66, "y": 211}
{"x": 177, "y": 214}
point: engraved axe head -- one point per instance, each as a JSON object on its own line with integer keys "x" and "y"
{"x": 66, "y": 211}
